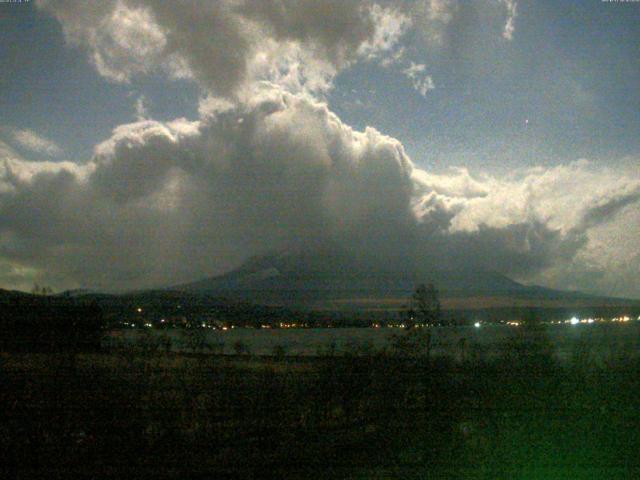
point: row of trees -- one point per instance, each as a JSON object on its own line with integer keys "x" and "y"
{"x": 41, "y": 290}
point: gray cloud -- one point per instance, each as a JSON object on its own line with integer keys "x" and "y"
{"x": 6, "y": 151}
{"x": 30, "y": 141}
{"x": 511, "y": 7}
{"x": 228, "y": 44}
{"x": 607, "y": 209}
{"x": 419, "y": 79}
{"x": 158, "y": 196}
{"x": 433, "y": 18}
{"x": 473, "y": 30}
{"x": 161, "y": 203}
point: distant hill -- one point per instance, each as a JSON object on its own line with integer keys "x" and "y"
{"x": 9, "y": 296}
{"x": 337, "y": 281}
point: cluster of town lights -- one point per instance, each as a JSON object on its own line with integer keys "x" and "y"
{"x": 577, "y": 321}
{"x": 513, "y": 323}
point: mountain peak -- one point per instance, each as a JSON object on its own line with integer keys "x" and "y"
{"x": 302, "y": 276}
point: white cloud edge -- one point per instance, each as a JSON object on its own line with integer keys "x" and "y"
{"x": 34, "y": 142}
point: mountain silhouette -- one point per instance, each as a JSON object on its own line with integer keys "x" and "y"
{"x": 303, "y": 277}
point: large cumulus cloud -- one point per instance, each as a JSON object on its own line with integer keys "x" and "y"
{"x": 161, "y": 203}
{"x": 166, "y": 201}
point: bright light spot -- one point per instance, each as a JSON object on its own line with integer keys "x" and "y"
{"x": 477, "y": 324}
{"x": 139, "y": 310}
{"x": 574, "y": 321}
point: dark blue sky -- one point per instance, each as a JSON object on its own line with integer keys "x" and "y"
{"x": 571, "y": 69}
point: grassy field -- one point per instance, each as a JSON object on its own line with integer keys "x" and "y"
{"x": 362, "y": 416}
{"x": 604, "y": 341}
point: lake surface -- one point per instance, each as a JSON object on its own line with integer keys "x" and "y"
{"x": 601, "y": 341}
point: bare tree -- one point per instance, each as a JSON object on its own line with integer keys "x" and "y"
{"x": 424, "y": 308}
{"x": 423, "y": 311}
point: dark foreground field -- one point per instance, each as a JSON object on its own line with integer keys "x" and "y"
{"x": 375, "y": 416}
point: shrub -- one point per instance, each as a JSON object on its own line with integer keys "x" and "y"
{"x": 240, "y": 348}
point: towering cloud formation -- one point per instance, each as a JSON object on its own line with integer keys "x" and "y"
{"x": 267, "y": 165}
{"x": 276, "y": 170}
{"x": 166, "y": 202}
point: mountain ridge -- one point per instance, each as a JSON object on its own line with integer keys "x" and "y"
{"x": 308, "y": 278}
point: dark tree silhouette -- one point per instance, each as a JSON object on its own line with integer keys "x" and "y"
{"x": 37, "y": 323}
{"x": 41, "y": 290}
{"x": 424, "y": 308}
{"x": 423, "y": 311}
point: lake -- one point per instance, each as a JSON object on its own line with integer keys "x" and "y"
{"x": 601, "y": 340}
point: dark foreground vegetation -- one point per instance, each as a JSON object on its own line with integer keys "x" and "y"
{"x": 39, "y": 323}
{"x": 395, "y": 414}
